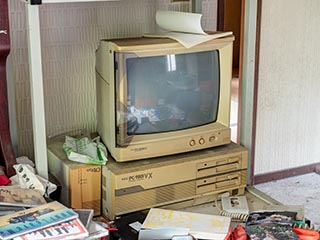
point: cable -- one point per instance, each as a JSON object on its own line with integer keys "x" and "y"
{"x": 236, "y": 216}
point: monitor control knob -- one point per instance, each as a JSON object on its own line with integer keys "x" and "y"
{"x": 192, "y": 142}
{"x": 201, "y": 141}
{"x": 212, "y": 138}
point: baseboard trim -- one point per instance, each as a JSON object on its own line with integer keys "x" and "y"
{"x": 267, "y": 177}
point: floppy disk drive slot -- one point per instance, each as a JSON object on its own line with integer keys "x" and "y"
{"x": 220, "y": 182}
{"x": 218, "y": 169}
{"x": 218, "y": 162}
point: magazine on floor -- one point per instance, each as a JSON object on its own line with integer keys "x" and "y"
{"x": 33, "y": 219}
{"x": 72, "y": 229}
{"x": 271, "y": 225}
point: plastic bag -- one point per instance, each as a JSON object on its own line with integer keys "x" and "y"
{"x": 85, "y": 150}
{"x": 27, "y": 178}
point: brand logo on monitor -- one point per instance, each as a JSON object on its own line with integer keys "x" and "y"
{"x": 139, "y": 149}
{"x": 138, "y": 177}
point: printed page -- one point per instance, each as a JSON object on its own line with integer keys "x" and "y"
{"x": 183, "y": 27}
{"x": 180, "y": 21}
{"x": 235, "y": 204}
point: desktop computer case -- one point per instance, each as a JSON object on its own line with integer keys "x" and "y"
{"x": 173, "y": 181}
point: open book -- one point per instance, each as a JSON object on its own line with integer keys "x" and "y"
{"x": 184, "y": 28}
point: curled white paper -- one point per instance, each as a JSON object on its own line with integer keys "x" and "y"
{"x": 183, "y": 27}
{"x": 180, "y": 21}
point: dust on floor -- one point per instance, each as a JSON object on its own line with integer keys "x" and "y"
{"x": 300, "y": 190}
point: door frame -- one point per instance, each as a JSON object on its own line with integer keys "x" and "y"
{"x": 248, "y": 75}
{"x": 221, "y": 8}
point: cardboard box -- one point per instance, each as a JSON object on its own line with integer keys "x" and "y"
{"x": 81, "y": 183}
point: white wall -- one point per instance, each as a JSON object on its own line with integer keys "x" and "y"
{"x": 70, "y": 34}
{"x": 288, "y": 116}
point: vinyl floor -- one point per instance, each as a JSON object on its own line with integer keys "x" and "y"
{"x": 299, "y": 190}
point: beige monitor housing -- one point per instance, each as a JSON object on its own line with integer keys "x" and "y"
{"x": 166, "y": 143}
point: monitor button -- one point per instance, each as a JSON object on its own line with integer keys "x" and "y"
{"x": 212, "y": 138}
{"x": 192, "y": 142}
{"x": 201, "y": 141}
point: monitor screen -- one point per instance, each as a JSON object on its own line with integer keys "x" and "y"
{"x": 170, "y": 92}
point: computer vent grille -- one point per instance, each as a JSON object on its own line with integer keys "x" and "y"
{"x": 155, "y": 197}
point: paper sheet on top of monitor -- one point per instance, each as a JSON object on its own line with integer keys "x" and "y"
{"x": 179, "y": 21}
{"x": 183, "y": 27}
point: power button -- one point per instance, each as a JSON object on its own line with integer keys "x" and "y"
{"x": 212, "y": 138}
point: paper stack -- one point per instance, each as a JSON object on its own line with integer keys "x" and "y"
{"x": 165, "y": 224}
